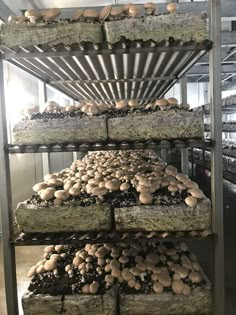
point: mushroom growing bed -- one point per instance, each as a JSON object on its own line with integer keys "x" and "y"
{"x": 122, "y": 190}
{"x": 135, "y": 278}
{"x": 127, "y": 121}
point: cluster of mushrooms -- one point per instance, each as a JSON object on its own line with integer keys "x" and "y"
{"x": 107, "y": 13}
{"x": 93, "y": 109}
{"x": 131, "y": 265}
{"x": 99, "y": 173}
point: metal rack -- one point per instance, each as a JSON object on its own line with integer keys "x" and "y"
{"x": 141, "y": 81}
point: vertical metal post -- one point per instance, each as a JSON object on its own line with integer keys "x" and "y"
{"x": 216, "y": 156}
{"x": 184, "y": 151}
{"x": 6, "y": 209}
{"x": 164, "y": 154}
{"x": 42, "y": 99}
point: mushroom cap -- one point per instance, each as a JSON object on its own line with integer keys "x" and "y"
{"x": 191, "y": 201}
{"x": 109, "y": 279}
{"x": 74, "y": 191}
{"x": 121, "y": 104}
{"x": 181, "y": 186}
{"x": 187, "y": 289}
{"x": 158, "y": 287}
{"x": 177, "y": 286}
{"x": 31, "y": 272}
{"x": 99, "y": 191}
{"x": 134, "y": 10}
{"x": 40, "y": 269}
{"x": 173, "y": 101}
{"x": 161, "y": 102}
{"x": 93, "y": 110}
{"x": 113, "y": 184}
{"x": 77, "y": 15}
{"x": 93, "y": 288}
{"x": 126, "y": 274}
{"x": 152, "y": 258}
{"x": 90, "y": 13}
{"x": 47, "y": 194}
{"x": 165, "y": 279}
{"x": 173, "y": 188}
{"x": 123, "y": 259}
{"x": 32, "y": 12}
{"x": 86, "y": 288}
{"x": 40, "y": 186}
{"x": 103, "y": 14}
{"x": 126, "y": 7}
{"x": 62, "y": 194}
{"x": 195, "y": 277}
{"x": 116, "y": 11}
{"x": 145, "y": 198}
{"x": 149, "y": 5}
{"x": 171, "y": 7}
{"x": 137, "y": 286}
{"x": 50, "y": 14}
{"x": 197, "y": 193}
{"x": 124, "y": 186}
{"x": 50, "y": 265}
{"x": 133, "y": 103}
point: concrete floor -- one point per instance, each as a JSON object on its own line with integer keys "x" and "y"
{"x": 26, "y": 256}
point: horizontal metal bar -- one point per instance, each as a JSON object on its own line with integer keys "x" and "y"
{"x": 113, "y": 80}
{"x": 126, "y": 50}
{"x": 104, "y": 237}
{"x": 83, "y": 147}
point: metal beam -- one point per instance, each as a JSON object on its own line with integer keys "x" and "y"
{"x": 216, "y": 156}
{"x": 203, "y": 70}
{"x": 6, "y": 209}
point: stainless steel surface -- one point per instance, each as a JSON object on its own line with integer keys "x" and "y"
{"x": 216, "y": 162}
{"x": 106, "y": 73}
{"x": 6, "y": 208}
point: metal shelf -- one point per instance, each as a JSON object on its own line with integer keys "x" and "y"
{"x": 104, "y": 237}
{"x": 84, "y": 147}
{"x": 126, "y": 70}
{"x": 226, "y": 109}
{"x": 226, "y": 127}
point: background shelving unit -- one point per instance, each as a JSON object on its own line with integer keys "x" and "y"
{"x": 106, "y": 74}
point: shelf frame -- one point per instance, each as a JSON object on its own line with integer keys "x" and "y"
{"x": 216, "y": 179}
{"x": 216, "y": 157}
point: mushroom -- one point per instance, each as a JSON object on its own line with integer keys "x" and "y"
{"x": 131, "y": 283}
{"x": 162, "y": 103}
{"x": 77, "y": 15}
{"x": 93, "y": 288}
{"x": 126, "y": 7}
{"x": 152, "y": 258}
{"x": 93, "y": 110}
{"x": 123, "y": 259}
{"x": 134, "y": 11}
{"x": 177, "y": 286}
{"x": 126, "y": 274}
{"x": 40, "y": 269}
{"x": 197, "y": 193}
{"x": 195, "y": 277}
{"x": 173, "y": 101}
{"x": 40, "y": 186}
{"x": 182, "y": 271}
{"x": 50, "y": 14}
{"x": 50, "y": 265}
{"x": 124, "y": 186}
{"x": 158, "y": 287}
{"x": 90, "y": 13}
{"x": 173, "y": 189}
{"x": 86, "y": 288}
{"x": 121, "y": 104}
{"x": 116, "y": 11}
{"x": 33, "y": 15}
{"x": 109, "y": 279}
{"x": 165, "y": 279}
{"x": 191, "y": 201}
{"x": 133, "y": 103}
{"x": 113, "y": 184}
{"x": 145, "y": 198}
{"x": 99, "y": 191}
{"x": 171, "y": 7}
{"x": 31, "y": 272}
{"x": 187, "y": 289}
{"x": 62, "y": 194}
{"x": 137, "y": 286}
{"x": 150, "y": 8}
{"x": 74, "y": 191}
{"x": 104, "y": 13}
{"x": 47, "y": 194}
